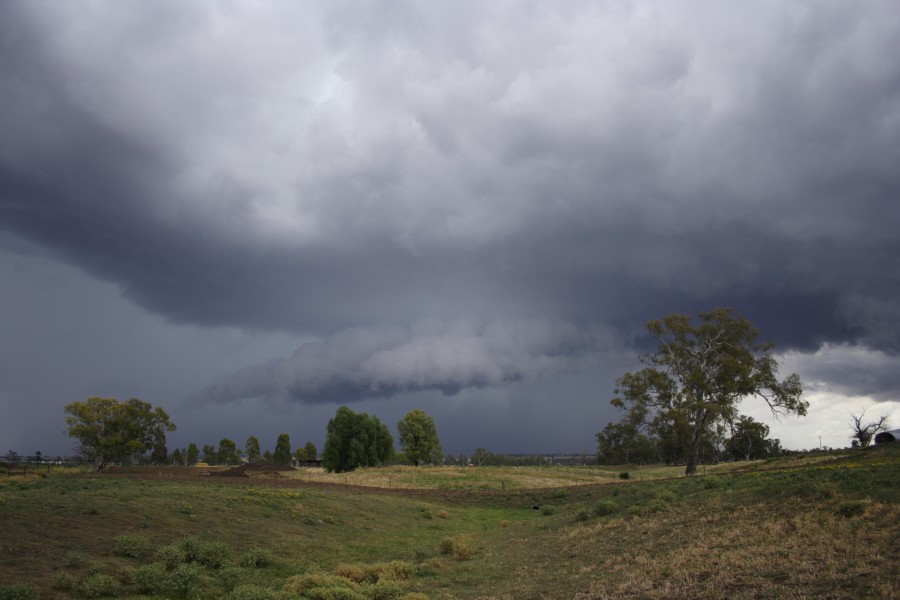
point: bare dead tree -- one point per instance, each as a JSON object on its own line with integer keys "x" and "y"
{"x": 863, "y": 433}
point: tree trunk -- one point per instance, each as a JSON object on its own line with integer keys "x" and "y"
{"x": 693, "y": 455}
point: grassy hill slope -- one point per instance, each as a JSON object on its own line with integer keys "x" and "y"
{"x": 822, "y": 526}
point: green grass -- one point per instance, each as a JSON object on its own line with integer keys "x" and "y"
{"x": 800, "y": 528}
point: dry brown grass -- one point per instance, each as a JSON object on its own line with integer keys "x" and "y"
{"x": 795, "y": 550}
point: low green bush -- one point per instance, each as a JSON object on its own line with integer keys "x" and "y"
{"x": 63, "y": 582}
{"x": 251, "y": 592}
{"x": 171, "y": 555}
{"x": 665, "y": 496}
{"x": 624, "y": 475}
{"x": 99, "y": 585}
{"x": 149, "y": 579}
{"x": 256, "y": 558}
{"x": 184, "y": 579}
{"x": 605, "y": 507}
{"x": 461, "y": 547}
{"x": 133, "y": 545}
{"x": 583, "y": 514}
{"x": 230, "y": 578}
{"x": 17, "y": 591}
{"x": 213, "y": 554}
{"x": 548, "y": 510}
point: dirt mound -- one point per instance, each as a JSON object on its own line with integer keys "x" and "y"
{"x": 248, "y": 469}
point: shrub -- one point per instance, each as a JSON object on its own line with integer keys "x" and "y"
{"x": 583, "y": 515}
{"x": 548, "y": 510}
{"x": 710, "y": 483}
{"x": 191, "y": 547}
{"x": 17, "y": 591}
{"x": 605, "y": 507}
{"x": 72, "y": 559}
{"x": 852, "y": 508}
{"x": 230, "y": 578}
{"x": 133, "y": 545}
{"x": 356, "y": 573}
{"x": 624, "y": 475}
{"x": 666, "y": 496}
{"x": 98, "y": 585}
{"x": 171, "y": 555}
{"x": 149, "y": 579}
{"x": 184, "y": 579}
{"x": 396, "y": 569}
{"x": 385, "y": 589}
{"x": 322, "y": 586}
{"x": 462, "y": 547}
{"x": 213, "y": 554}
{"x": 413, "y": 596}
{"x": 63, "y": 582}
{"x": 251, "y": 592}
{"x": 256, "y": 558}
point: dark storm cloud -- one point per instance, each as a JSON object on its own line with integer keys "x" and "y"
{"x": 448, "y": 356}
{"x": 320, "y": 168}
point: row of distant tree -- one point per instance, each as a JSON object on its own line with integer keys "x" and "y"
{"x": 109, "y": 431}
{"x": 227, "y": 453}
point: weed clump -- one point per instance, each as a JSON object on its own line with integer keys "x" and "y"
{"x": 548, "y": 510}
{"x": 461, "y": 547}
{"x": 605, "y": 507}
{"x": 583, "y": 515}
{"x": 624, "y": 475}
{"x": 852, "y": 508}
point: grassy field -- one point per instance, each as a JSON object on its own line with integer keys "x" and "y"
{"x": 823, "y": 527}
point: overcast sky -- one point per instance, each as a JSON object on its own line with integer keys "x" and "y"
{"x": 251, "y": 213}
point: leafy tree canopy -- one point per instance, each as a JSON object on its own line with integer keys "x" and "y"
{"x": 111, "y": 431}
{"x": 419, "y": 439}
{"x": 311, "y": 452}
{"x": 252, "y": 448}
{"x": 356, "y": 440}
{"x": 282, "y": 454}
{"x": 698, "y": 375}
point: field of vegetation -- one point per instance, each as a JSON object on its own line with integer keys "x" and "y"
{"x": 823, "y": 526}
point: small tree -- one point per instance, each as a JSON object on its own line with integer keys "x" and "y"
{"x": 300, "y": 455}
{"x": 419, "y": 439}
{"x": 228, "y": 453}
{"x": 311, "y": 452}
{"x": 356, "y": 440}
{"x": 210, "y": 456}
{"x": 192, "y": 454}
{"x": 111, "y": 431}
{"x": 749, "y": 439}
{"x": 252, "y": 448}
{"x": 699, "y": 373}
{"x": 282, "y": 455}
{"x": 863, "y": 434}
